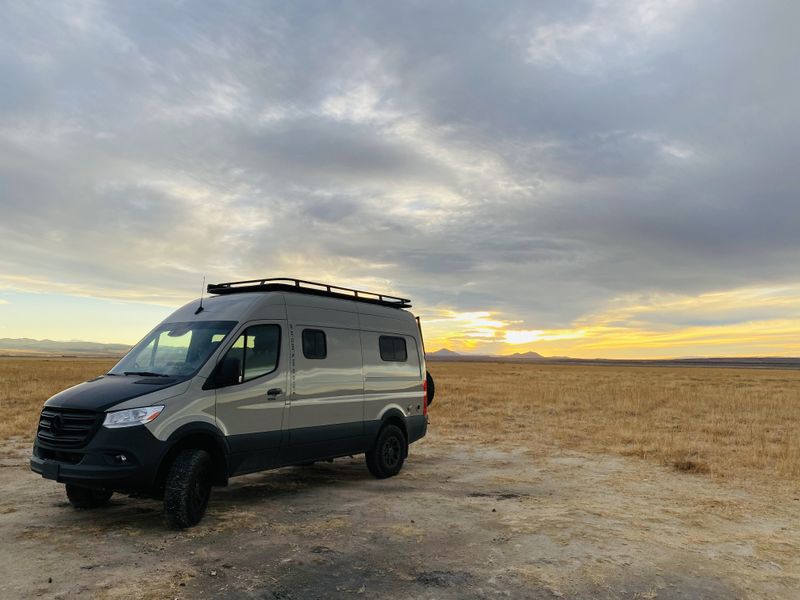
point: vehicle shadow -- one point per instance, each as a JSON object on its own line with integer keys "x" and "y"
{"x": 139, "y": 515}
{"x": 143, "y": 515}
{"x": 292, "y": 481}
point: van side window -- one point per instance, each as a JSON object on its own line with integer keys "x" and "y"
{"x": 314, "y": 344}
{"x": 257, "y": 351}
{"x": 393, "y": 348}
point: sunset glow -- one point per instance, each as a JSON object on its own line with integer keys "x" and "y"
{"x": 745, "y": 322}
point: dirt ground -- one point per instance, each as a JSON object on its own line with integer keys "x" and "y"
{"x": 457, "y": 522}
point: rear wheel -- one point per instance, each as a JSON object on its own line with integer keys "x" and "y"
{"x": 387, "y": 457}
{"x": 187, "y": 488}
{"x": 84, "y": 497}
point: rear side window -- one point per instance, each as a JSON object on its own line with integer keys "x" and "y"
{"x": 393, "y": 348}
{"x": 314, "y": 344}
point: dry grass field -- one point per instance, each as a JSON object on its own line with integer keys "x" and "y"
{"x": 730, "y": 423}
{"x": 25, "y": 383}
{"x": 562, "y": 496}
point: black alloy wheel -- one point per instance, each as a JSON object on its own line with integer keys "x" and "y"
{"x": 389, "y": 453}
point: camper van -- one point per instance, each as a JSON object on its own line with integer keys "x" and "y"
{"x": 260, "y": 374}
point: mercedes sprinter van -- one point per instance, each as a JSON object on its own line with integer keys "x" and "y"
{"x": 261, "y": 374}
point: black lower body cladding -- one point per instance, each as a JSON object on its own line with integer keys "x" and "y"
{"x": 100, "y": 463}
{"x": 417, "y": 427}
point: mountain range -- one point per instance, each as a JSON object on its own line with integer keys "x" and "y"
{"x": 748, "y": 362}
{"x": 446, "y": 353}
{"x": 31, "y": 347}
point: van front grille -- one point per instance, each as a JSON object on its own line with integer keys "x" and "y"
{"x": 66, "y": 428}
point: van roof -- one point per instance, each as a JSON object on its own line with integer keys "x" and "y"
{"x": 300, "y": 286}
{"x": 246, "y": 306}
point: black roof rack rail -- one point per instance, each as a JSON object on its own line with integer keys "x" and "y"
{"x": 300, "y": 286}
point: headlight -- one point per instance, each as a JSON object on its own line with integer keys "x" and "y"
{"x": 132, "y": 416}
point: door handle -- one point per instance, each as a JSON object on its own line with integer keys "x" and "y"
{"x": 274, "y": 392}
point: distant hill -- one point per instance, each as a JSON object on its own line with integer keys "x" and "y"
{"x": 447, "y": 354}
{"x": 31, "y": 347}
{"x": 450, "y": 355}
{"x": 531, "y": 355}
{"x": 441, "y": 353}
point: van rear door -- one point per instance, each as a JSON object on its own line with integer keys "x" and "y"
{"x": 392, "y": 375}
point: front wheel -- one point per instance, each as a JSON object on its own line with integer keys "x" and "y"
{"x": 387, "y": 457}
{"x": 187, "y": 489}
{"x": 84, "y": 497}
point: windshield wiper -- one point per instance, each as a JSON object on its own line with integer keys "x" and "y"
{"x": 145, "y": 374}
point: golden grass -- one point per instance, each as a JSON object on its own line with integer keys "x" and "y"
{"x": 727, "y": 422}
{"x": 25, "y": 384}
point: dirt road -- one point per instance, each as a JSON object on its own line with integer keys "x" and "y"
{"x": 457, "y": 523}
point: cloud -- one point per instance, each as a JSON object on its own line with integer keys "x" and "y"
{"x": 522, "y": 336}
{"x": 535, "y": 163}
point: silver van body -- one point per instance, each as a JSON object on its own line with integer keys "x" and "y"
{"x": 289, "y": 376}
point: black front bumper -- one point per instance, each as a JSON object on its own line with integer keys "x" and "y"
{"x": 97, "y": 463}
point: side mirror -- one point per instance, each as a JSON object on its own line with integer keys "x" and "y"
{"x": 228, "y": 372}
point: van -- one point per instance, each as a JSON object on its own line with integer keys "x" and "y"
{"x": 259, "y": 375}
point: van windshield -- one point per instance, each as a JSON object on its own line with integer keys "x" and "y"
{"x": 174, "y": 349}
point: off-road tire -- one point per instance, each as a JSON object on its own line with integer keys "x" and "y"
{"x": 431, "y": 387}
{"x": 387, "y": 457}
{"x": 187, "y": 488}
{"x": 84, "y": 497}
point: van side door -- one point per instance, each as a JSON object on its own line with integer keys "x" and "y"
{"x": 250, "y": 406}
{"x": 326, "y": 409}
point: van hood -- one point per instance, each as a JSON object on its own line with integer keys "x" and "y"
{"x": 103, "y": 392}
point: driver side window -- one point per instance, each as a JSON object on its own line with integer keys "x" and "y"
{"x": 256, "y": 351}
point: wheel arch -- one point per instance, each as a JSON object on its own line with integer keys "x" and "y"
{"x": 202, "y": 436}
{"x": 394, "y": 416}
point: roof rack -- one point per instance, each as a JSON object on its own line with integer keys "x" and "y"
{"x": 300, "y": 286}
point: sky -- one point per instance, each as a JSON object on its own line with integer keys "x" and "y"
{"x": 591, "y": 178}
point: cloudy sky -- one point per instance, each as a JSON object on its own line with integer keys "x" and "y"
{"x": 592, "y": 178}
